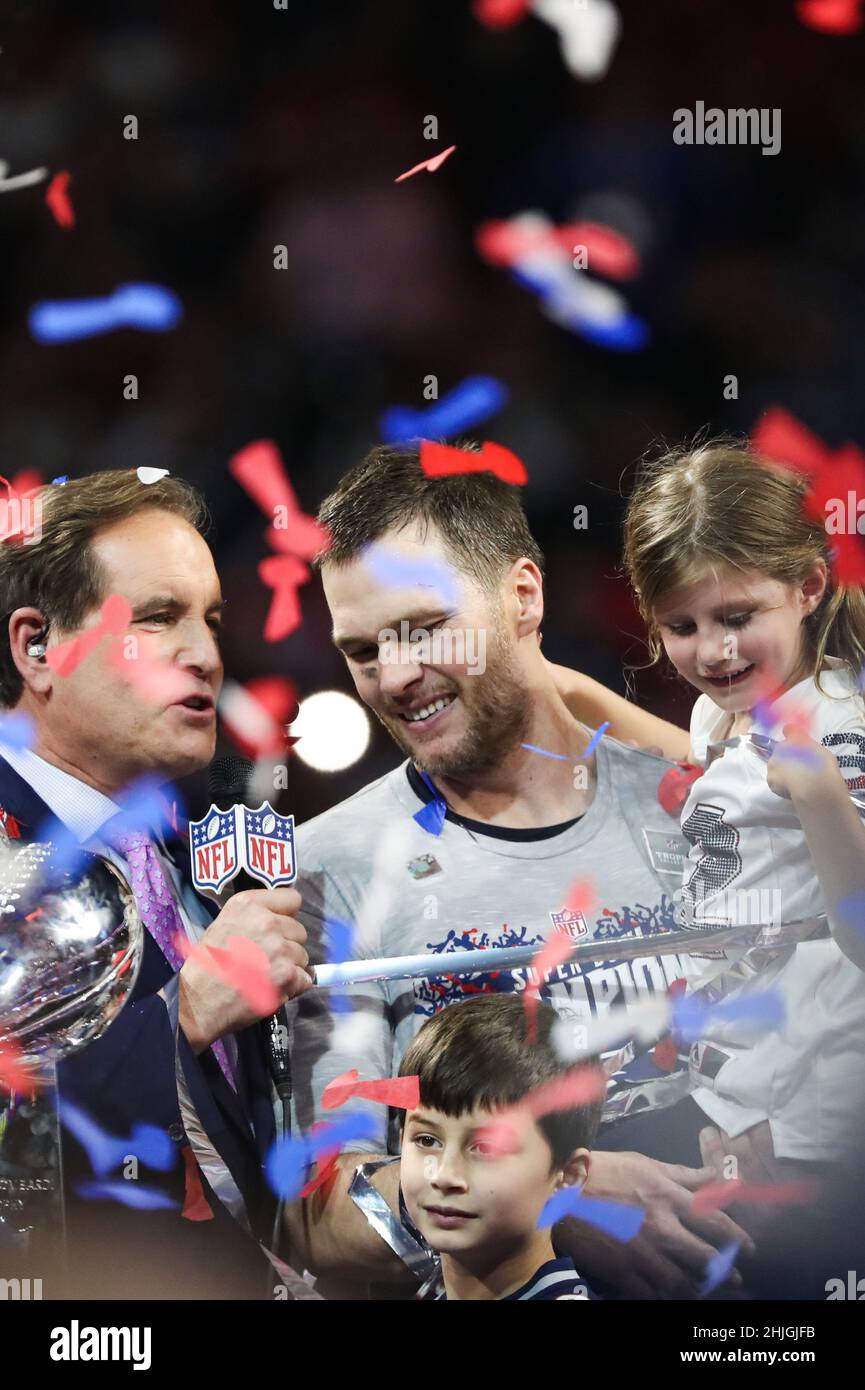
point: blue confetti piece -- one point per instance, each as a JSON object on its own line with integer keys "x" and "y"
{"x": 719, "y": 1267}
{"x": 787, "y": 750}
{"x": 341, "y": 939}
{"x": 616, "y": 1219}
{"x": 17, "y": 731}
{"x": 467, "y": 405}
{"x": 596, "y": 738}
{"x": 289, "y": 1160}
{"x": 391, "y": 568}
{"x": 540, "y": 279}
{"x": 763, "y": 714}
{"x": 624, "y": 334}
{"x": 152, "y": 308}
{"x": 692, "y": 1017}
{"x": 143, "y": 805}
{"x": 101, "y": 1147}
{"x": 147, "y": 1143}
{"x": 560, "y": 757}
{"x": 152, "y": 1146}
{"x": 58, "y": 482}
{"x": 852, "y": 912}
{"x": 431, "y": 817}
{"x": 340, "y": 948}
{"x": 128, "y": 1193}
{"x": 286, "y": 1167}
{"x": 68, "y": 856}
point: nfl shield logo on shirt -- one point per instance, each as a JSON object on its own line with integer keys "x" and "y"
{"x": 269, "y": 845}
{"x": 573, "y": 924}
{"x": 213, "y": 848}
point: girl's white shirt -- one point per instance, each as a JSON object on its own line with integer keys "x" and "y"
{"x": 750, "y": 865}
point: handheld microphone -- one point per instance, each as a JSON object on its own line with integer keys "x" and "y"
{"x": 228, "y": 781}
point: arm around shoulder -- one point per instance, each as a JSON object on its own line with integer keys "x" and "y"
{"x": 593, "y": 704}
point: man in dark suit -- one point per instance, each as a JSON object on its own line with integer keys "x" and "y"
{"x": 185, "y": 1053}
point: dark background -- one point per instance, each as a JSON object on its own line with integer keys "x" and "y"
{"x": 260, "y": 126}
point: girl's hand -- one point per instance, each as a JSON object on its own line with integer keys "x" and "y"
{"x": 800, "y": 768}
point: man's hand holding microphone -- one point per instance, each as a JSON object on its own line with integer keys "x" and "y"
{"x": 210, "y": 1008}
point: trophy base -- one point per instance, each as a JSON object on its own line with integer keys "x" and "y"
{"x": 32, "y": 1227}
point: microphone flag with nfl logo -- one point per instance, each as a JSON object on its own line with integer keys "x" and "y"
{"x": 224, "y": 842}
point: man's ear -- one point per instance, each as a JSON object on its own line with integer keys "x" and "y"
{"x": 575, "y": 1170}
{"x": 525, "y": 586}
{"x": 26, "y": 627}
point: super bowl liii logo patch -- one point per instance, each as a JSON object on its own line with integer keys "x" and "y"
{"x": 423, "y": 866}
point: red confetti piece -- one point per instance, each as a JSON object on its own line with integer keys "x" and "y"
{"x": 665, "y": 1054}
{"x": 30, "y": 480}
{"x": 843, "y": 480}
{"x": 608, "y": 252}
{"x": 115, "y": 615}
{"x": 284, "y": 574}
{"x": 831, "y": 16}
{"x": 277, "y": 695}
{"x": 582, "y": 1085}
{"x": 838, "y": 476}
{"x": 400, "y": 1091}
{"x": 581, "y": 898}
{"x": 157, "y": 681}
{"x": 242, "y": 964}
{"x": 441, "y": 461}
{"x": 551, "y": 954}
{"x": 255, "y": 715}
{"x": 326, "y": 1165}
{"x": 674, "y": 786}
{"x": 429, "y": 164}
{"x": 57, "y": 199}
{"x": 195, "y": 1205}
{"x": 500, "y": 14}
{"x": 715, "y": 1196}
{"x": 16, "y": 1074}
{"x": 781, "y": 438}
{"x": 260, "y": 470}
{"x": 13, "y": 831}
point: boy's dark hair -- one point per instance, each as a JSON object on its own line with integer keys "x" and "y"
{"x": 477, "y": 1053}
{"x": 480, "y": 518}
{"x": 59, "y": 574}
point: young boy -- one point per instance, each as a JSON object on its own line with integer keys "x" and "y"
{"x": 474, "y": 1201}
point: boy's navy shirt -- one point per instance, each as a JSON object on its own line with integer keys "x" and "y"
{"x": 554, "y": 1279}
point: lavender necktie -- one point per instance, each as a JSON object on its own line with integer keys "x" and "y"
{"x": 157, "y": 907}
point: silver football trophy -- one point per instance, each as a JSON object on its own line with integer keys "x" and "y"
{"x": 71, "y": 943}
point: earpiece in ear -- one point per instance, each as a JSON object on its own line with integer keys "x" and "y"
{"x": 37, "y": 649}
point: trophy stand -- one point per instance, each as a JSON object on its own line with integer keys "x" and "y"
{"x": 33, "y": 1251}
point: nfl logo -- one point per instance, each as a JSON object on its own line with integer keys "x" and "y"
{"x": 269, "y": 846}
{"x": 573, "y": 924}
{"x": 213, "y": 848}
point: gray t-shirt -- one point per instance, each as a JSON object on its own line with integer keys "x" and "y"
{"x": 367, "y": 863}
